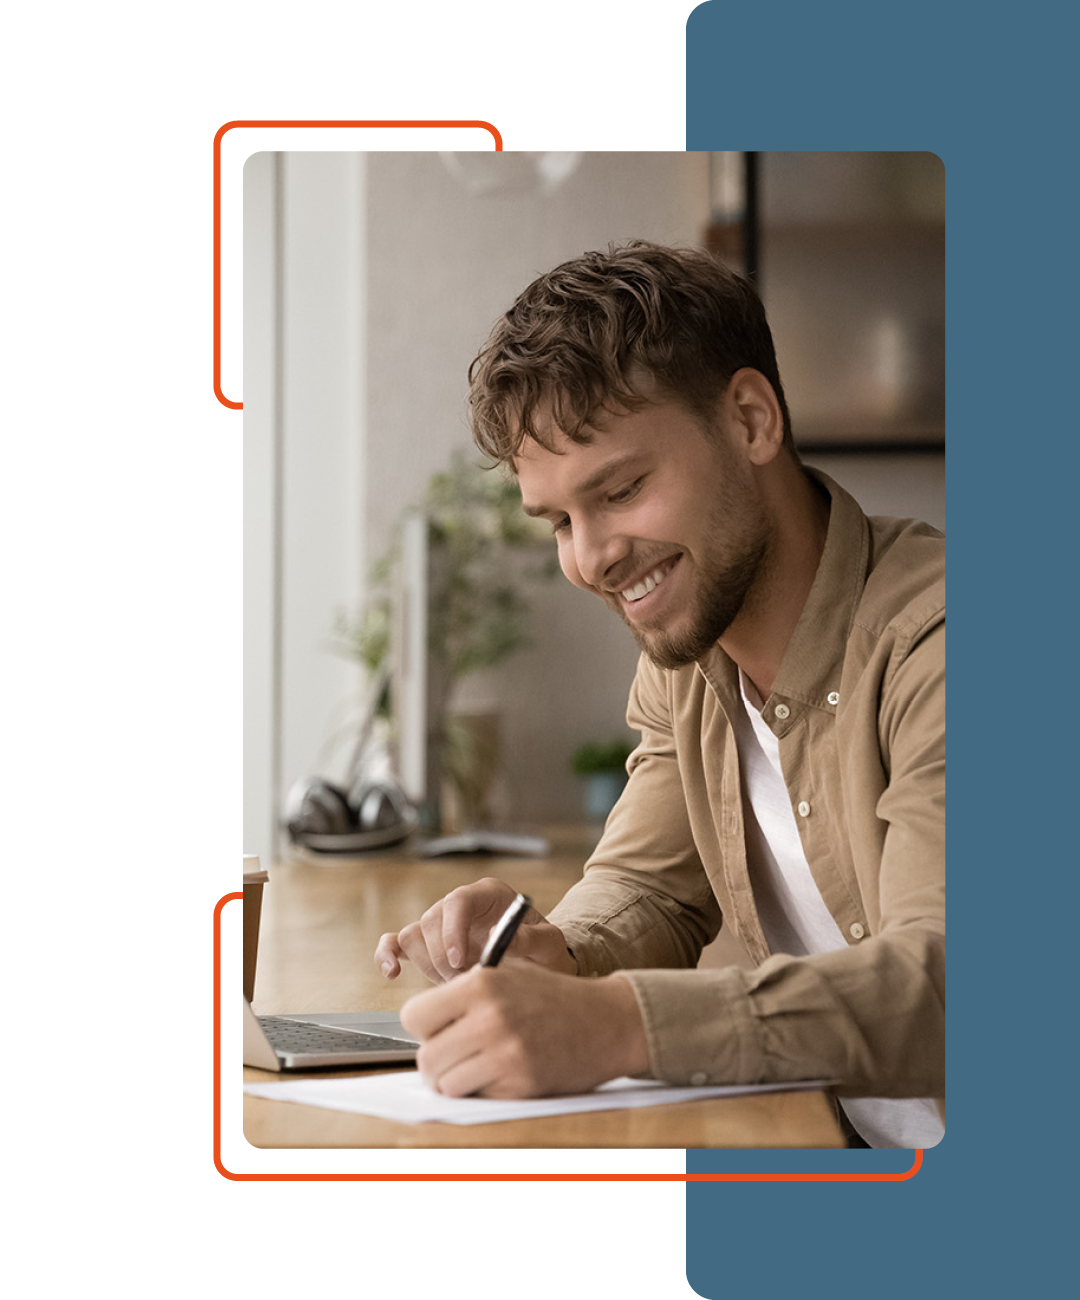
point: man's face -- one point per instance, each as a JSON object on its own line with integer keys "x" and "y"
{"x": 662, "y": 521}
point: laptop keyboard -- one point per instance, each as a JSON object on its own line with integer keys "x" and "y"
{"x": 292, "y": 1036}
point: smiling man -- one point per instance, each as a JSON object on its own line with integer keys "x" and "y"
{"x": 789, "y": 781}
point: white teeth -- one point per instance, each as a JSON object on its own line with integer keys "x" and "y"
{"x": 646, "y": 585}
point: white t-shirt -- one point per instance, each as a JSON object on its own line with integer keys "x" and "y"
{"x": 794, "y": 916}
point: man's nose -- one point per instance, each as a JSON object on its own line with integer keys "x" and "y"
{"x": 597, "y": 550}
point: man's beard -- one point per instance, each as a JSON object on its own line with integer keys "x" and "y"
{"x": 722, "y": 594}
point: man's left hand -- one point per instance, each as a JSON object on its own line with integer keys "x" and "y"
{"x": 518, "y": 1030}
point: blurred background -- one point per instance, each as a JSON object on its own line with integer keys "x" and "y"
{"x": 370, "y": 282}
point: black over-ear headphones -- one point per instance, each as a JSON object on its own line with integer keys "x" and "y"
{"x": 323, "y": 817}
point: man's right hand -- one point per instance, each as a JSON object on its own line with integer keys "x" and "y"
{"x": 450, "y": 936}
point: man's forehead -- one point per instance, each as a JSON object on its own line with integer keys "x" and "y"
{"x": 539, "y": 468}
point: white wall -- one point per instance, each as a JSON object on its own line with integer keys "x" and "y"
{"x": 304, "y": 367}
{"x": 370, "y": 282}
{"x": 261, "y": 660}
{"x": 390, "y": 274}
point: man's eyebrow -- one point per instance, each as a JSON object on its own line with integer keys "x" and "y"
{"x": 597, "y": 479}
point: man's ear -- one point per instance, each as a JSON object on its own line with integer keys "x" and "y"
{"x": 754, "y": 415}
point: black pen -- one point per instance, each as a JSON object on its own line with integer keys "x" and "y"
{"x": 504, "y": 930}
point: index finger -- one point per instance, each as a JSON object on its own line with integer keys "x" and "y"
{"x": 468, "y": 914}
{"x": 388, "y": 955}
{"x": 457, "y": 914}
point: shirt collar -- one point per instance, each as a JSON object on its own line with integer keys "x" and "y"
{"x": 810, "y": 669}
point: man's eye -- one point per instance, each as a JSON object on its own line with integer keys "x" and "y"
{"x": 627, "y": 493}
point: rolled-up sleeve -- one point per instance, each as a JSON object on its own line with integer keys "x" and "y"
{"x": 644, "y": 899}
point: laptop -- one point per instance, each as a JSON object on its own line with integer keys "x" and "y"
{"x": 325, "y": 1040}
{"x": 318, "y": 1041}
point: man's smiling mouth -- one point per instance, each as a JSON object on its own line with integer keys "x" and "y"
{"x": 649, "y": 582}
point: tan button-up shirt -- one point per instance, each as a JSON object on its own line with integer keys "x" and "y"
{"x": 858, "y": 708}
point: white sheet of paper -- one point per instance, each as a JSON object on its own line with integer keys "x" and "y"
{"x": 405, "y": 1097}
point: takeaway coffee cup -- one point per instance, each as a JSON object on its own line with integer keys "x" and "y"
{"x": 254, "y": 879}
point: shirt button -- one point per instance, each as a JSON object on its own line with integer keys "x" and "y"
{"x": 782, "y": 711}
{"x": 698, "y": 1078}
{"x": 856, "y": 931}
{"x": 804, "y": 809}
{"x": 834, "y": 697}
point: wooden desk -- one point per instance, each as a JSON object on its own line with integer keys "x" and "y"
{"x": 321, "y": 919}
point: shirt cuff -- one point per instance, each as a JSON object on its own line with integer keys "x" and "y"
{"x": 699, "y": 1025}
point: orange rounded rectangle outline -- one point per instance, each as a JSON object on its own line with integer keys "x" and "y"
{"x": 229, "y": 319}
{"x": 228, "y": 286}
{"x": 228, "y": 950}
{"x": 221, "y": 165}
{"x": 568, "y": 1178}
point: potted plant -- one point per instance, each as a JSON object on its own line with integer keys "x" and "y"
{"x": 476, "y": 521}
{"x": 603, "y": 765}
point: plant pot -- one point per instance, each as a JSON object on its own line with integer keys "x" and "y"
{"x": 602, "y": 790}
{"x": 471, "y": 763}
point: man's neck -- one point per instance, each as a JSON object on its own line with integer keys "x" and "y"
{"x": 758, "y": 638}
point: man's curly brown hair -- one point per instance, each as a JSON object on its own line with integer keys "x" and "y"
{"x": 579, "y": 341}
